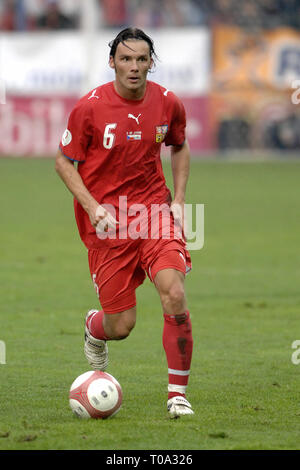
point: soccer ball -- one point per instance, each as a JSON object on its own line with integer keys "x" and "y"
{"x": 95, "y": 394}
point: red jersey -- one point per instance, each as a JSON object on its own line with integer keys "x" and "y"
{"x": 117, "y": 143}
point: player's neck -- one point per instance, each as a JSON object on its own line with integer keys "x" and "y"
{"x": 127, "y": 94}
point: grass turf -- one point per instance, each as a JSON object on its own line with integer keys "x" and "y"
{"x": 243, "y": 296}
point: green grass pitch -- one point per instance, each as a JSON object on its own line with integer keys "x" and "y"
{"x": 244, "y": 299}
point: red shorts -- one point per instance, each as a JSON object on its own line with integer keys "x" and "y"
{"x": 118, "y": 269}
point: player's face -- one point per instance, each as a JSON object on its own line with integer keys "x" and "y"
{"x": 132, "y": 62}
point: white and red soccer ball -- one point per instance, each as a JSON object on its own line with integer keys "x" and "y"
{"x": 95, "y": 394}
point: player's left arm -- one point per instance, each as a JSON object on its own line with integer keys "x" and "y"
{"x": 180, "y": 162}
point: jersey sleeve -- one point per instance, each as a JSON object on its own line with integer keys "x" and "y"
{"x": 77, "y": 137}
{"x": 176, "y": 132}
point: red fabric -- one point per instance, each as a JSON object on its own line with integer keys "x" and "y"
{"x": 119, "y": 155}
{"x": 117, "y": 270}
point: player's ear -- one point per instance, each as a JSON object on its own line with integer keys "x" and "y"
{"x": 111, "y": 62}
{"x": 151, "y": 64}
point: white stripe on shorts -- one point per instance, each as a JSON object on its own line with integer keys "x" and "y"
{"x": 178, "y": 372}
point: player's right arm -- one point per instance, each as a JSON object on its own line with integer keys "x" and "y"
{"x": 72, "y": 179}
{"x": 73, "y": 148}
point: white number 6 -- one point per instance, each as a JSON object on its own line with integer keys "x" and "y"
{"x": 109, "y": 137}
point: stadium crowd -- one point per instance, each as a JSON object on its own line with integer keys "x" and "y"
{"x": 32, "y": 15}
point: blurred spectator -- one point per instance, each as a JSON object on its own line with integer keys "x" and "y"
{"x": 255, "y": 14}
{"x": 243, "y": 14}
{"x": 145, "y": 14}
{"x": 166, "y": 13}
{"x": 234, "y": 133}
{"x": 249, "y": 16}
{"x": 271, "y": 10}
{"x": 54, "y": 18}
{"x": 199, "y": 12}
{"x": 223, "y": 11}
{"x": 18, "y": 15}
{"x": 7, "y": 15}
{"x": 173, "y": 15}
{"x": 114, "y": 13}
{"x": 283, "y": 134}
{"x": 156, "y": 13}
{"x": 34, "y": 9}
{"x": 290, "y": 11}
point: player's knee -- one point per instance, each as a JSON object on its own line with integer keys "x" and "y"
{"x": 175, "y": 297}
{"x": 122, "y": 329}
{"x": 121, "y": 333}
{"x": 119, "y": 325}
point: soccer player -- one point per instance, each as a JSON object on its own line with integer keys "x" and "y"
{"x": 115, "y": 134}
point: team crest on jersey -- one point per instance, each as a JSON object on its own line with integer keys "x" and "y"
{"x": 160, "y": 133}
{"x": 132, "y": 136}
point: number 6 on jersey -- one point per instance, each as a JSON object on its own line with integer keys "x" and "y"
{"x": 109, "y": 137}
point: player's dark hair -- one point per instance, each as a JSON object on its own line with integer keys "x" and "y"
{"x": 131, "y": 33}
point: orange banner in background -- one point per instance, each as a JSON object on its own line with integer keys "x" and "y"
{"x": 243, "y": 59}
{"x": 253, "y": 81}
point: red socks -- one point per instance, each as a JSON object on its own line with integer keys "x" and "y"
{"x": 178, "y": 346}
{"x": 95, "y": 325}
{"x": 177, "y": 343}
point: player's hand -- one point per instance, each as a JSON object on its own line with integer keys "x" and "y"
{"x": 177, "y": 210}
{"x": 102, "y": 220}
